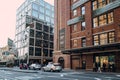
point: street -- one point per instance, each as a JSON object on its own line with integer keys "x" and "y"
{"x": 64, "y": 75}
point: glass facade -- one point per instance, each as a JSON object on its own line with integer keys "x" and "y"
{"x": 28, "y": 12}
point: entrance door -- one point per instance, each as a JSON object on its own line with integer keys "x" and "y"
{"x": 61, "y": 61}
{"x": 83, "y": 64}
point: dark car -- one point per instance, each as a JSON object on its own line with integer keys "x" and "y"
{"x": 23, "y": 66}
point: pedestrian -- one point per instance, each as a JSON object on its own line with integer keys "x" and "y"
{"x": 99, "y": 69}
{"x": 104, "y": 67}
{"x": 94, "y": 68}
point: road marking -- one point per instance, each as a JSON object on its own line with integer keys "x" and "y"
{"x": 118, "y": 75}
{"x": 27, "y": 77}
{"x": 97, "y": 78}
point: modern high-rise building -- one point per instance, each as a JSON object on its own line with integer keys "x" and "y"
{"x": 87, "y": 32}
{"x": 34, "y": 31}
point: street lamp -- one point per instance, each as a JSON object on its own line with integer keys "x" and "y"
{"x": 42, "y": 49}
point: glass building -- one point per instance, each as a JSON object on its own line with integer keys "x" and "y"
{"x": 34, "y": 31}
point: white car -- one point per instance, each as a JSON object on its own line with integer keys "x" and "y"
{"x": 52, "y": 67}
{"x": 35, "y": 66}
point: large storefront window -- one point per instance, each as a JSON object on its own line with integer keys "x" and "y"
{"x": 108, "y": 60}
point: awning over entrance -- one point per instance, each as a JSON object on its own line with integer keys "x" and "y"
{"x": 114, "y": 47}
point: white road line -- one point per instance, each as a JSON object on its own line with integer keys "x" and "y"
{"x": 27, "y": 77}
{"x": 97, "y": 78}
{"x": 118, "y": 75}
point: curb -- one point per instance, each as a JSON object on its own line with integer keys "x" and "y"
{"x": 24, "y": 71}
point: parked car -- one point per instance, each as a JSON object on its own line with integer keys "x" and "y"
{"x": 23, "y": 66}
{"x": 52, "y": 67}
{"x": 35, "y": 66}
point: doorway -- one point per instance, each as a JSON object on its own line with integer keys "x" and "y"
{"x": 61, "y": 61}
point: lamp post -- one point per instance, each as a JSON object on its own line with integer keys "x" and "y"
{"x": 42, "y": 50}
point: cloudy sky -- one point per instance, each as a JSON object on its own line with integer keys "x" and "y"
{"x": 8, "y": 19}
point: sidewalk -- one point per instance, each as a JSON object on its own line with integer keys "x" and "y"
{"x": 89, "y": 71}
{"x": 18, "y": 70}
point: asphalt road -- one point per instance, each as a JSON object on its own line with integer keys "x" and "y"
{"x": 65, "y": 75}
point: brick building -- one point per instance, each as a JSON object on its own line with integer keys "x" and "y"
{"x": 87, "y": 32}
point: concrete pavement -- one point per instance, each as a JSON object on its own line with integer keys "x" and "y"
{"x": 18, "y": 70}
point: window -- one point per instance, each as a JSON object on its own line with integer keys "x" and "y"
{"x": 101, "y": 3}
{"x": 35, "y": 14}
{"x": 53, "y": 14}
{"x": 74, "y": 12}
{"x": 41, "y": 16}
{"x": 83, "y": 26}
{"x": 52, "y": 21}
{"x": 35, "y": 6}
{"x": 102, "y": 20}
{"x": 48, "y": 12}
{"x": 96, "y": 40}
{"x": 83, "y": 10}
{"x": 110, "y": 17}
{"x": 41, "y": 2}
{"x": 74, "y": 0}
{"x": 111, "y": 37}
{"x": 47, "y": 19}
{"x": 47, "y": 6}
{"x": 83, "y": 42}
{"x": 37, "y": 52}
{"x": 75, "y": 27}
{"x": 74, "y": 43}
{"x": 103, "y": 38}
{"x": 94, "y": 5}
{"x": 41, "y": 9}
{"x": 95, "y": 22}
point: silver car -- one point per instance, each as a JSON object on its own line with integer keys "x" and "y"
{"x": 35, "y": 66}
{"x": 52, "y": 67}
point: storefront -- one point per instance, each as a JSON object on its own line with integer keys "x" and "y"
{"x": 106, "y": 57}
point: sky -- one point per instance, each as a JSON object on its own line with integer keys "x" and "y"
{"x": 8, "y": 19}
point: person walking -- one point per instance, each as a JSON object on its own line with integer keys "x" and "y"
{"x": 104, "y": 67}
{"x": 99, "y": 69}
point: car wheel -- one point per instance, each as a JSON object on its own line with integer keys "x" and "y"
{"x": 51, "y": 70}
{"x": 43, "y": 69}
{"x": 33, "y": 68}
